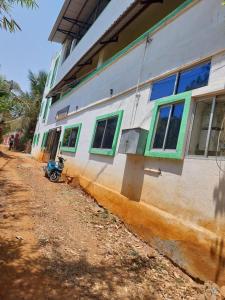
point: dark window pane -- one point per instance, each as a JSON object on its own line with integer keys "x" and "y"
{"x": 163, "y": 88}
{"x": 161, "y": 127}
{"x": 68, "y": 48}
{"x": 109, "y": 133}
{"x": 73, "y": 137}
{"x": 100, "y": 128}
{"x": 174, "y": 126}
{"x": 66, "y": 137}
{"x": 194, "y": 78}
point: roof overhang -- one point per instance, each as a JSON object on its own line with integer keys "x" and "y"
{"x": 109, "y": 35}
{"x": 72, "y": 17}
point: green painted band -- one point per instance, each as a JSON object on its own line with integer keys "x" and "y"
{"x": 131, "y": 45}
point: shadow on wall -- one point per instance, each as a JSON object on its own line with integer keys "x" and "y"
{"x": 133, "y": 177}
{"x": 219, "y": 196}
{"x": 137, "y": 167}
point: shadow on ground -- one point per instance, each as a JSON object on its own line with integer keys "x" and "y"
{"x": 11, "y": 199}
{"x": 57, "y": 278}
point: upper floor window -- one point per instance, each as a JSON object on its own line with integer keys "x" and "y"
{"x": 46, "y": 109}
{"x": 163, "y": 88}
{"x": 48, "y": 79}
{"x": 82, "y": 22}
{"x": 54, "y": 72}
{"x": 44, "y": 140}
{"x": 193, "y": 78}
{"x": 68, "y": 47}
{"x": 184, "y": 81}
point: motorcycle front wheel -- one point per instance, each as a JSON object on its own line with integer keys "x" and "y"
{"x": 54, "y": 177}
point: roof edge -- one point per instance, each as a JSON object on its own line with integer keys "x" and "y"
{"x": 61, "y": 13}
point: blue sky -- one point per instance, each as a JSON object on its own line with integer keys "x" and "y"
{"x": 29, "y": 48}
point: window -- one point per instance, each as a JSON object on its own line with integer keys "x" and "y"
{"x": 54, "y": 71}
{"x": 193, "y": 78}
{"x": 46, "y": 109}
{"x": 181, "y": 82}
{"x": 48, "y": 79}
{"x": 70, "y": 138}
{"x": 163, "y": 88}
{"x": 44, "y": 140}
{"x": 55, "y": 98}
{"x": 34, "y": 140}
{"x": 106, "y": 133}
{"x": 168, "y": 127}
{"x": 41, "y": 109}
{"x": 68, "y": 47}
{"x": 37, "y": 140}
{"x": 62, "y": 113}
{"x": 208, "y": 131}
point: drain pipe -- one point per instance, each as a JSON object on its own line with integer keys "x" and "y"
{"x": 137, "y": 93}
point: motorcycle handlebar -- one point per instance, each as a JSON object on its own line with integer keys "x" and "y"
{"x": 60, "y": 157}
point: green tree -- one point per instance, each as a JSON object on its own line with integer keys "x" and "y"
{"x": 31, "y": 103}
{"x": 9, "y": 91}
{"x": 18, "y": 109}
{"x": 7, "y": 22}
{"x": 37, "y": 84}
{"x": 6, "y": 103}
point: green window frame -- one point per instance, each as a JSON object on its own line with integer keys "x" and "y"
{"x": 37, "y": 140}
{"x": 34, "y": 140}
{"x": 71, "y": 149}
{"x": 46, "y": 109}
{"x": 103, "y": 151}
{"x": 44, "y": 140}
{"x": 48, "y": 79}
{"x": 54, "y": 72}
{"x": 178, "y": 153}
{"x": 41, "y": 109}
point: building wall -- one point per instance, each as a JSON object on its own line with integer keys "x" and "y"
{"x": 180, "y": 211}
{"x": 170, "y": 49}
{"x": 110, "y": 15}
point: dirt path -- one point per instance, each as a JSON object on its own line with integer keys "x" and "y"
{"x": 57, "y": 243}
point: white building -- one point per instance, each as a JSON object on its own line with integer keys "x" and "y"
{"x": 135, "y": 102}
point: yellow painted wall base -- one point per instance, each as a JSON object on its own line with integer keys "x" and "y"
{"x": 195, "y": 249}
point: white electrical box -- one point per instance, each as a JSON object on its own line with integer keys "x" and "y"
{"x": 133, "y": 141}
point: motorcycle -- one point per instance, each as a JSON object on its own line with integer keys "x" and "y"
{"x": 54, "y": 169}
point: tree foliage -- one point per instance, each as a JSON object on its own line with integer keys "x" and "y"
{"x": 7, "y": 22}
{"x": 8, "y": 94}
{"x": 18, "y": 109}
